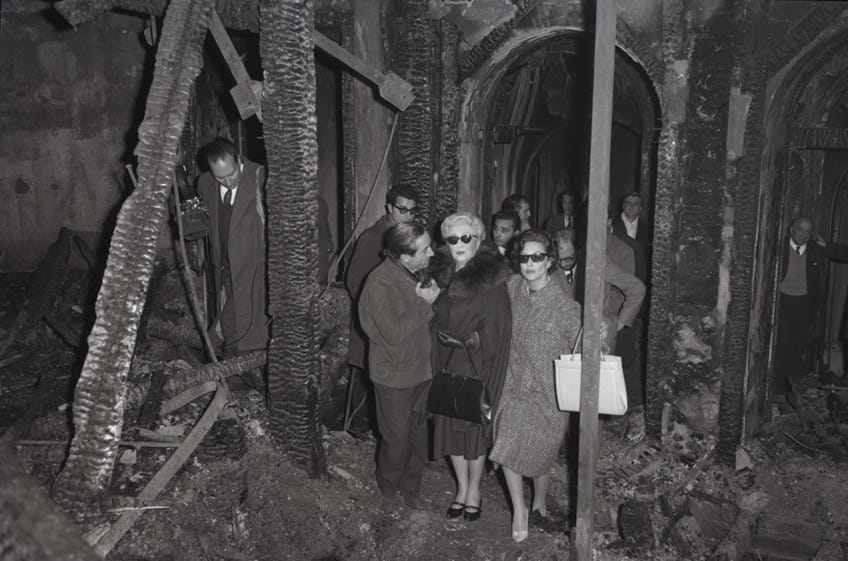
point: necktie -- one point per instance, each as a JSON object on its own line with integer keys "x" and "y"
{"x": 798, "y": 249}
{"x": 228, "y": 198}
{"x": 569, "y": 275}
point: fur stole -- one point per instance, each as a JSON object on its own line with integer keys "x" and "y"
{"x": 486, "y": 270}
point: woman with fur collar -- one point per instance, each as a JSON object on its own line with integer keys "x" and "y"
{"x": 476, "y": 301}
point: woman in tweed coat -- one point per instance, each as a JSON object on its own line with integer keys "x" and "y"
{"x": 529, "y": 427}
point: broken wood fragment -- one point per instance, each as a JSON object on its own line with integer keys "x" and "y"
{"x": 128, "y": 443}
{"x": 187, "y": 397}
{"x": 166, "y": 472}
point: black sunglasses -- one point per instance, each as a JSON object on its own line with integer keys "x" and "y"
{"x": 404, "y": 209}
{"x": 536, "y": 257}
{"x": 466, "y": 239}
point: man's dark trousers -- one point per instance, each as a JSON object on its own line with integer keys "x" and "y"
{"x": 793, "y": 332}
{"x": 402, "y": 421}
{"x": 627, "y": 347}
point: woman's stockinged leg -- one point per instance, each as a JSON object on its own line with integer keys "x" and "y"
{"x": 540, "y": 491}
{"x": 475, "y": 474}
{"x": 515, "y": 484}
{"x": 460, "y": 468}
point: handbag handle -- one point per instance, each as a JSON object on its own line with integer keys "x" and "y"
{"x": 577, "y": 341}
{"x": 449, "y": 340}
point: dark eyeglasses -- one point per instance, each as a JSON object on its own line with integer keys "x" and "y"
{"x": 404, "y": 209}
{"x": 466, "y": 239}
{"x": 536, "y": 257}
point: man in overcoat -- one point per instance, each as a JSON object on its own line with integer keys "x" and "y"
{"x": 233, "y": 192}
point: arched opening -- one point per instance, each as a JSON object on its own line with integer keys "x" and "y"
{"x": 525, "y": 129}
{"x": 538, "y": 128}
{"x": 805, "y": 172}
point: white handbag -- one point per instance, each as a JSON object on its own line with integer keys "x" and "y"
{"x": 612, "y": 393}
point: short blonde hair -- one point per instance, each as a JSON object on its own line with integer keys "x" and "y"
{"x": 466, "y": 218}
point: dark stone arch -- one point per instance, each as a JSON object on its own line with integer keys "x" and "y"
{"x": 775, "y": 80}
{"x": 646, "y": 70}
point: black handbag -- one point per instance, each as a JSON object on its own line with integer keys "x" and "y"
{"x": 457, "y": 395}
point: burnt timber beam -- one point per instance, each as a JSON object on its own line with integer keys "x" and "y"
{"x": 100, "y": 393}
{"x": 241, "y": 15}
{"x": 291, "y": 195}
{"x": 244, "y": 16}
{"x": 245, "y": 98}
{"x": 818, "y": 138}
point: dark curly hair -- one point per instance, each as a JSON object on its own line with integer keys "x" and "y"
{"x": 538, "y": 236}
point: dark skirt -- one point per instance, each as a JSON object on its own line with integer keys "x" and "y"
{"x": 454, "y": 437}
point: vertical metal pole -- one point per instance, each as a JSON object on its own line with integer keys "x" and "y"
{"x": 602, "y": 94}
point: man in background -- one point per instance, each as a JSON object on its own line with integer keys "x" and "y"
{"x": 566, "y": 215}
{"x": 232, "y": 190}
{"x": 505, "y": 226}
{"x": 401, "y": 202}
{"x": 520, "y": 205}
{"x": 800, "y": 303}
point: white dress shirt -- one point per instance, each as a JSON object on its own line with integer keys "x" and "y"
{"x": 631, "y": 227}
{"x": 223, "y": 190}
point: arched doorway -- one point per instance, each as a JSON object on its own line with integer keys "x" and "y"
{"x": 522, "y": 128}
{"x": 538, "y": 128}
{"x": 805, "y": 170}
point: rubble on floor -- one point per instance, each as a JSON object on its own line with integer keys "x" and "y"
{"x": 239, "y": 497}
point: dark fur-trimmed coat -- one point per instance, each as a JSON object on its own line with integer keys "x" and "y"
{"x": 476, "y": 300}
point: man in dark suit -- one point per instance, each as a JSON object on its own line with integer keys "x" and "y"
{"x": 623, "y": 292}
{"x": 629, "y": 224}
{"x": 629, "y": 227}
{"x": 566, "y": 215}
{"x": 800, "y": 303}
{"x": 232, "y": 190}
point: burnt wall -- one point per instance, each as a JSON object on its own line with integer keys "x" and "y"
{"x": 699, "y": 212}
{"x": 69, "y": 103}
{"x": 413, "y": 44}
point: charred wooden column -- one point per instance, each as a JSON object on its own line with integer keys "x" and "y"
{"x": 413, "y": 38}
{"x": 663, "y": 266}
{"x": 291, "y": 145}
{"x": 100, "y": 392}
{"x": 447, "y": 162}
{"x": 742, "y": 168}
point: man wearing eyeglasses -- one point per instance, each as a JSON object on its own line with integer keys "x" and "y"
{"x": 401, "y": 202}
{"x": 232, "y": 191}
{"x": 623, "y": 292}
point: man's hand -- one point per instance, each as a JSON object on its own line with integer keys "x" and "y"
{"x": 429, "y": 293}
{"x": 820, "y": 240}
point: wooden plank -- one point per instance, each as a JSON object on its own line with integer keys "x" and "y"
{"x": 602, "y": 94}
{"x": 392, "y": 88}
{"x": 245, "y": 98}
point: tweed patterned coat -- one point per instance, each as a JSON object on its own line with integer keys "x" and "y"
{"x": 529, "y": 427}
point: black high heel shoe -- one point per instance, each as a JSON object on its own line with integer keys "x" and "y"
{"x": 472, "y": 512}
{"x": 456, "y": 509}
